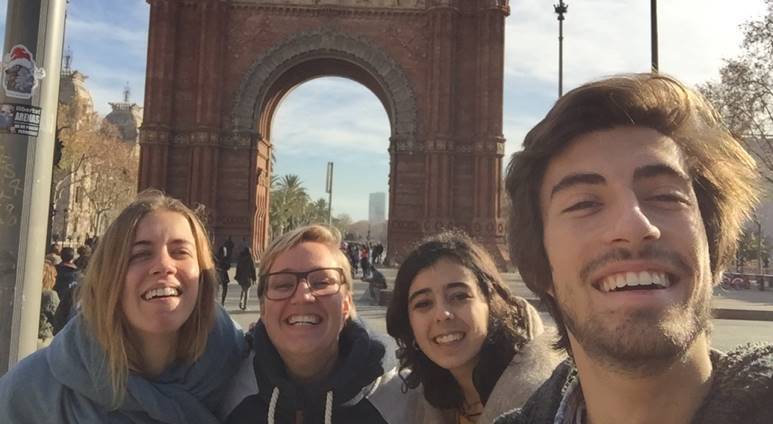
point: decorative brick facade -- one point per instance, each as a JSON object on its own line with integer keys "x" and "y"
{"x": 217, "y": 70}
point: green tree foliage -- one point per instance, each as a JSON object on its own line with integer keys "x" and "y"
{"x": 751, "y": 247}
{"x": 291, "y": 206}
{"x": 744, "y": 92}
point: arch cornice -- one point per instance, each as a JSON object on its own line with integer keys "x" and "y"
{"x": 256, "y": 86}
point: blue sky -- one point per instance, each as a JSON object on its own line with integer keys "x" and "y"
{"x": 332, "y": 119}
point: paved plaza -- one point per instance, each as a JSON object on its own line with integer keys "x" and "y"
{"x": 735, "y": 306}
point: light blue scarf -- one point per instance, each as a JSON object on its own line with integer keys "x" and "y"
{"x": 68, "y": 382}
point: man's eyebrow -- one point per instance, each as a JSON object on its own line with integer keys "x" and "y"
{"x": 418, "y": 293}
{"x": 658, "y": 170}
{"x": 577, "y": 179}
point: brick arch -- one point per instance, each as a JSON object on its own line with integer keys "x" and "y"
{"x": 323, "y": 53}
{"x": 217, "y": 70}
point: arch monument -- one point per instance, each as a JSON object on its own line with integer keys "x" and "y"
{"x": 218, "y": 69}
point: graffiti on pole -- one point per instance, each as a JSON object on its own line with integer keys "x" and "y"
{"x": 10, "y": 190}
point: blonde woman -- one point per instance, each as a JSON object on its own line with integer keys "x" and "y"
{"x": 150, "y": 345}
{"x": 311, "y": 358}
{"x": 49, "y": 301}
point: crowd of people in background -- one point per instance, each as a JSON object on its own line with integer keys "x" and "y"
{"x": 63, "y": 271}
{"x": 363, "y": 256}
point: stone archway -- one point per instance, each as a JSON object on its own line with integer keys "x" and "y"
{"x": 217, "y": 70}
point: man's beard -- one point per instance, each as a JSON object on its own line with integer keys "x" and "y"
{"x": 645, "y": 341}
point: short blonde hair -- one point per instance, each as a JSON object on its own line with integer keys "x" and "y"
{"x": 106, "y": 276}
{"x": 315, "y": 233}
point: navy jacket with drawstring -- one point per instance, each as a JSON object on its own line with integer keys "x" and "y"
{"x": 264, "y": 393}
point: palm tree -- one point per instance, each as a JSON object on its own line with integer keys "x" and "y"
{"x": 289, "y": 202}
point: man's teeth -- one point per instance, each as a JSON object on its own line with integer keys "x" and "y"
{"x": 448, "y": 338}
{"x": 162, "y": 292}
{"x": 303, "y": 320}
{"x": 632, "y": 279}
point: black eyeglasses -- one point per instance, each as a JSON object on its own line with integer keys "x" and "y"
{"x": 322, "y": 282}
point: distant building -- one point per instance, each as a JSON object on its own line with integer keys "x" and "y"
{"x": 377, "y": 208}
{"x": 127, "y": 119}
{"x": 73, "y": 217}
{"x": 71, "y": 222}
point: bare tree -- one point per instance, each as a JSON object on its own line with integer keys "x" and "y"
{"x": 744, "y": 93}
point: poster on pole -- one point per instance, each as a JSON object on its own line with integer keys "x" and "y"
{"x": 19, "y": 119}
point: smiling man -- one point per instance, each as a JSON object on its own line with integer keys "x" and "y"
{"x": 628, "y": 199}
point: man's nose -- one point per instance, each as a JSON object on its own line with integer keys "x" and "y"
{"x": 630, "y": 224}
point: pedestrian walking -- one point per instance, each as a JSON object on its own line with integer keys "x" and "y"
{"x": 245, "y": 275}
{"x": 365, "y": 261}
{"x": 223, "y": 264}
{"x": 65, "y": 287}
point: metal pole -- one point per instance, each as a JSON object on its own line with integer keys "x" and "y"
{"x": 759, "y": 244}
{"x": 29, "y": 93}
{"x": 561, "y": 8}
{"x": 329, "y": 190}
{"x": 654, "y": 33}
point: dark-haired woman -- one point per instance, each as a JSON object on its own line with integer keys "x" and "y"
{"x": 469, "y": 348}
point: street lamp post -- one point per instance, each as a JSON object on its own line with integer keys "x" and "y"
{"x": 34, "y": 33}
{"x": 329, "y": 191}
{"x": 561, "y": 8}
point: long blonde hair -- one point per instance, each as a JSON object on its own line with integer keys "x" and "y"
{"x": 100, "y": 294}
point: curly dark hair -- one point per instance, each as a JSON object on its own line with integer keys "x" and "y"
{"x": 509, "y": 329}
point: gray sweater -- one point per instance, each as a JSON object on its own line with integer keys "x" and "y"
{"x": 741, "y": 391}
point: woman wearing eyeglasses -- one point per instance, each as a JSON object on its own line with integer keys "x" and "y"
{"x": 311, "y": 361}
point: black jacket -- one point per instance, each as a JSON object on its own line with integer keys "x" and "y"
{"x": 357, "y": 375}
{"x": 66, "y": 278}
{"x": 245, "y": 270}
{"x": 741, "y": 392}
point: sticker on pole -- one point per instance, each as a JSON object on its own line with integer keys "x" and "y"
{"x": 21, "y": 75}
{"x": 19, "y": 119}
